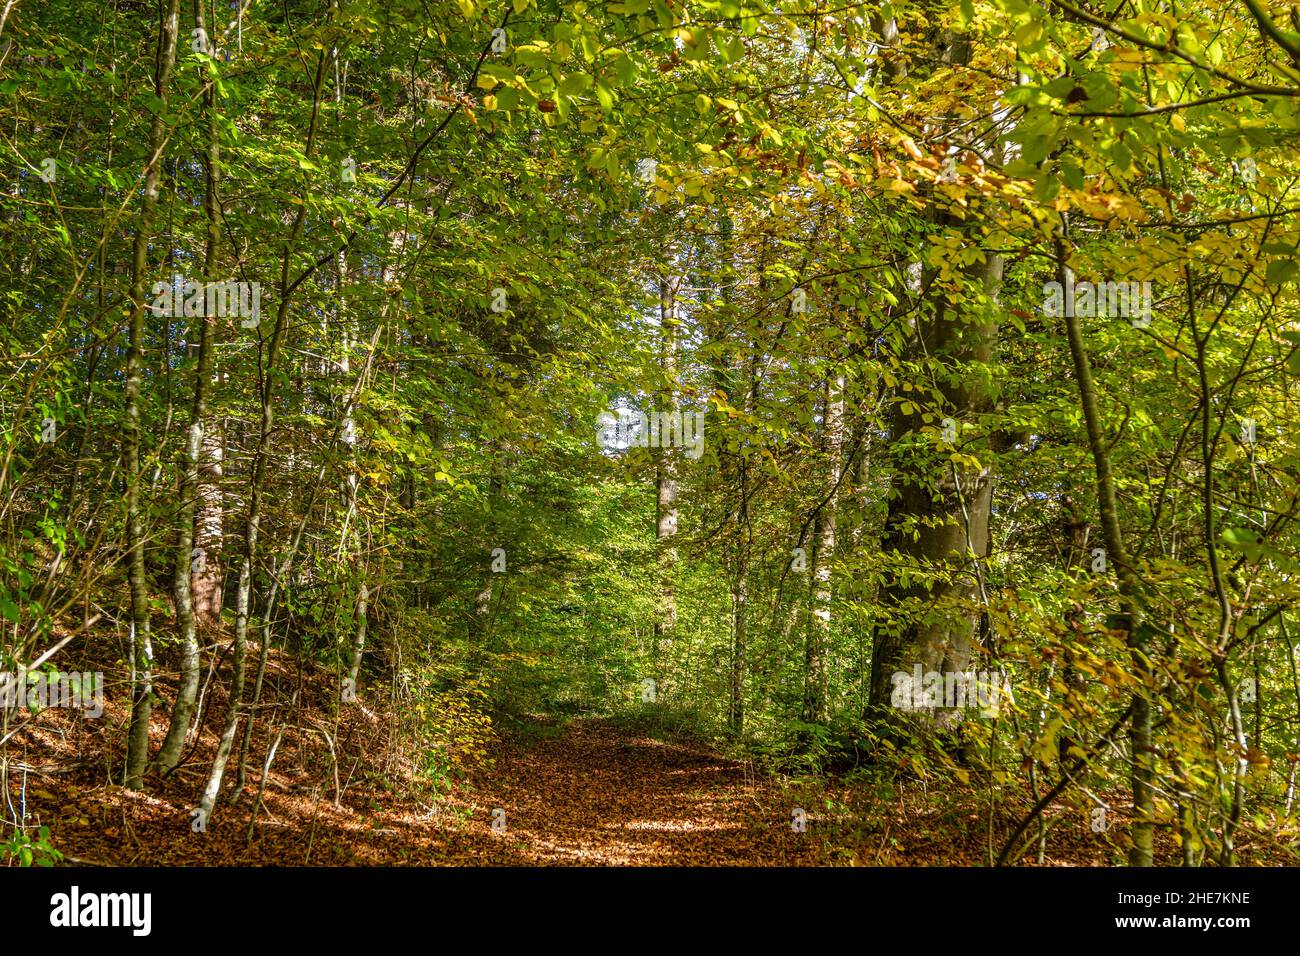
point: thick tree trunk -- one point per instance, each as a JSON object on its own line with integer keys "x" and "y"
{"x": 939, "y": 516}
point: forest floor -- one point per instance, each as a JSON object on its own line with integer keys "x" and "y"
{"x": 588, "y": 791}
{"x": 584, "y": 793}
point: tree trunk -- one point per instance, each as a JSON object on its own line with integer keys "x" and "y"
{"x": 819, "y": 620}
{"x": 1141, "y": 852}
{"x": 256, "y": 488}
{"x": 137, "y": 751}
{"x": 938, "y": 521}
{"x": 351, "y": 488}
{"x": 206, "y": 585}
{"x": 187, "y": 691}
{"x": 665, "y": 471}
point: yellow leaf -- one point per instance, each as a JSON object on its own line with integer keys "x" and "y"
{"x": 1044, "y": 749}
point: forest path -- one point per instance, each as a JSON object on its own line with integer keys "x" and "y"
{"x": 587, "y": 793}
{"x": 598, "y": 794}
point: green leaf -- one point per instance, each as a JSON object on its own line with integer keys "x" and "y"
{"x": 732, "y": 50}
{"x": 625, "y": 68}
{"x": 1246, "y": 540}
{"x": 575, "y": 84}
{"x": 507, "y": 98}
{"x": 697, "y": 45}
{"x": 1281, "y": 271}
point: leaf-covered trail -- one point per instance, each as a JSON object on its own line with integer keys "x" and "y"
{"x": 587, "y": 793}
{"x": 597, "y": 794}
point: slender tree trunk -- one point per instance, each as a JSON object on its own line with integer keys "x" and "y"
{"x": 351, "y": 488}
{"x": 187, "y": 691}
{"x": 256, "y": 488}
{"x": 359, "y": 632}
{"x": 665, "y": 471}
{"x": 740, "y": 586}
{"x": 206, "y": 584}
{"x": 815, "y": 708}
{"x": 480, "y": 622}
{"x": 359, "y": 564}
{"x": 740, "y": 607}
{"x": 1141, "y": 853}
{"x": 137, "y": 752}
